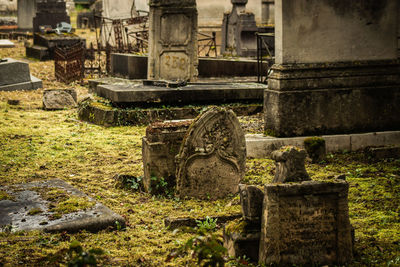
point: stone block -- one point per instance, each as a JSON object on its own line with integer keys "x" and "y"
{"x": 5, "y": 43}
{"x": 384, "y": 152}
{"x": 38, "y": 52}
{"x": 54, "y": 99}
{"x": 251, "y": 200}
{"x": 13, "y": 71}
{"x": 159, "y": 148}
{"x": 242, "y": 239}
{"x": 50, "y": 13}
{"x": 26, "y": 12}
{"x": 290, "y": 166}
{"x": 211, "y": 162}
{"x": 306, "y": 224}
{"x": 173, "y": 40}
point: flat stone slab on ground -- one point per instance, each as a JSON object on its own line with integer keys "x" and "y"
{"x": 25, "y": 209}
{"x": 198, "y": 92}
{"x": 5, "y": 43}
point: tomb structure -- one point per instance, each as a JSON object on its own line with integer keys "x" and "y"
{"x": 26, "y": 12}
{"x": 15, "y": 75}
{"x": 238, "y": 31}
{"x": 173, "y": 40}
{"x": 50, "y": 12}
{"x": 336, "y": 68}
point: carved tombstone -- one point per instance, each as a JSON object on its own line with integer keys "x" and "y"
{"x": 290, "y": 165}
{"x": 173, "y": 40}
{"x": 211, "y": 161}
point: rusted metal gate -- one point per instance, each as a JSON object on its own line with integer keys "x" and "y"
{"x": 69, "y": 63}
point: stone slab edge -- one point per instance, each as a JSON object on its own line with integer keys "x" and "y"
{"x": 259, "y": 146}
{"x": 34, "y": 84}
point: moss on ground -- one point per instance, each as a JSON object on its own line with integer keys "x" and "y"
{"x": 38, "y": 145}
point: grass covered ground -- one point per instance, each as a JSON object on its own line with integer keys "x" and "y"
{"x": 38, "y": 145}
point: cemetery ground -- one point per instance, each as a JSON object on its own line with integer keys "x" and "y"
{"x": 38, "y": 145}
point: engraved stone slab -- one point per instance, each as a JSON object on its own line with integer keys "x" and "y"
{"x": 305, "y": 224}
{"x": 211, "y": 161}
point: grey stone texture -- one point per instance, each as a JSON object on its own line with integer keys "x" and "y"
{"x": 5, "y": 43}
{"x": 189, "y": 94}
{"x": 25, "y": 197}
{"x": 306, "y": 224}
{"x": 238, "y": 31}
{"x": 173, "y": 40}
{"x": 54, "y": 99}
{"x": 159, "y": 148}
{"x": 251, "y": 200}
{"x": 15, "y": 75}
{"x": 384, "y": 152}
{"x": 50, "y": 12}
{"x": 290, "y": 166}
{"x": 259, "y": 146}
{"x": 26, "y": 12}
{"x": 211, "y": 161}
{"x": 324, "y": 74}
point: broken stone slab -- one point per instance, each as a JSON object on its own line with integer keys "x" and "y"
{"x": 212, "y": 159}
{"x": 54, "y": 99}
{"x": 242, "y": 239}
{"x": 251, "y": 200}
{"x": 306, "y": 223}
{"x": 5, "y": 43}
{"x": 174, "y": 223}
{"x": 18, "y": 210}
{"x": 159, "y": 148}
{"x": 384, "y": 152}
{"x": 290, "y": 166}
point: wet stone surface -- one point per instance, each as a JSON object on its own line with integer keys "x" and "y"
{"x": 34, "y": 206}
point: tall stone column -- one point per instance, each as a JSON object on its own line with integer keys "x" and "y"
{"x": 267, "y": 12}
{"x": 173, "y": 40}
{"x": 336, "y": 68}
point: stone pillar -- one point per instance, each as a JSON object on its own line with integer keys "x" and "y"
{"x": 50, "y": 12}
{"x": 267, "y": 12}
{"x": 26, "y": 12}
{"x": 336, "y": 68}
{"x": 173, "y": 40}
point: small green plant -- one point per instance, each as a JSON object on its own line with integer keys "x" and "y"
{"x": 135, "y": 183}
{"x": 205, "y": 250}
{"x": 209, "y": 224}
{"x": 79, "y": 258}
{"x": 159, "y": 186}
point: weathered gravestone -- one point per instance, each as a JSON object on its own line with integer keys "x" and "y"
{"x": 290, "y": 165}
{"x": 26, "y": 12}
{"x": 15, "y": 75}
{"x": 238, "y": 31}
{"x": 306, "y": 222}
{"x": 50, "y": 12}
{"x": 173, "y": 40}
{"x": 211, "y": 161}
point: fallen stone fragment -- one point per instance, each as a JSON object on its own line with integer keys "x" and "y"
{"x": 55, "y": 99}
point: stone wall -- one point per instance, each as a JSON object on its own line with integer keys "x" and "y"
{"x": 331, "y": 31}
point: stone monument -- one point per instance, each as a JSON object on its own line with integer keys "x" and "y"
{"x": 211, "y": 161}
{"x": 267, "y": 12}
{"x": 173, "y": 40}
{"x": 15, "y": 75}
{"x": 238, "y": 31}
{"x": 336, "y": 68}
{"x": 50, "y": 12}
{"x": 26, "y": 12}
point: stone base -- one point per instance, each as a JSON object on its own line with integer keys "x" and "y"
{"x": 4, "y": 43}
{"x": 190, "y": 94}
{"x": 242, "y": 239}
{"x": 34, "y": 84}
{"x": 314, "y": 99}
{"x": 38, "y": 52}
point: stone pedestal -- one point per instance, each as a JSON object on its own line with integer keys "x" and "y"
{"x": 173, "y": 40}
{"x": 306, "y": 224}
{"x": 15, "y": 75}
{"x": 267, "y": 12}
{"x": 238, "y": 31}
{"x": 50, "y": 12}
{"x": 335, "y": 72}
{"x": 159, "y": 148}
{"x": 26, "y": 12}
